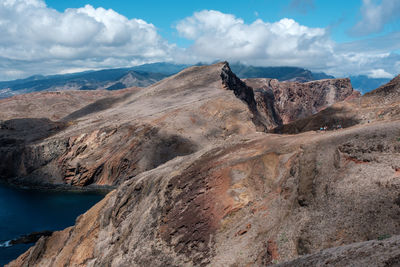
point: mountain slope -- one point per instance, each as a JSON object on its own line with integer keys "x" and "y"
{"x": 116, "y": 137}
{"x": 253, "y": 200}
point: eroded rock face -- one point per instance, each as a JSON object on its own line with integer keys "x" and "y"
{"x": 261, "y": 104}
{"x": 294, "y": 100}
{"x": 376, "y": 106}
{"x": 94, "y": 159}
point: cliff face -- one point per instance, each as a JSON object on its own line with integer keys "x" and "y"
{"x": 260, "y": 103}
{"x": 378, "y": 105}
{"x": 293, "y": 100}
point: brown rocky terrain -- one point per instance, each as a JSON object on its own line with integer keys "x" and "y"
{"x": 201, "y": 183}
{"x": 294, "y": 100}
{"x": 379, "y": 105}
{"x": 54, "y": 105}
{"x": 371, "y": 253}
{"x": 111, "y": 137}
{"x": 75, "y": 137}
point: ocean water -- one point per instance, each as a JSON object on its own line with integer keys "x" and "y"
{"x": 25, "y": 211}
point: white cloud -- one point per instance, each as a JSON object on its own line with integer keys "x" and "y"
{"x": 73, "y": 70}
{"x": 375, "y": 14}
{"x": 222, "y": 36}
{"x": 35, "y": 39}
{"x": 380, "y": 73}
{"x": 42, "y": 39}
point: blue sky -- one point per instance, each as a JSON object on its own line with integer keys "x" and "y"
{"x": 338, "y": 37}
{"x": 340, "y": 15}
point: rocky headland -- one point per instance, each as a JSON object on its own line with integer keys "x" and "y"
{"x": 202, "y": 180}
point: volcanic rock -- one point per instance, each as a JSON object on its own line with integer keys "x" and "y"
{"x": 294, "y": 100}
{"x": 30, "y": 238}
{"x": 378, "y": 105}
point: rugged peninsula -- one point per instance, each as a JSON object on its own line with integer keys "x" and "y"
{"x": 212, "y": 170}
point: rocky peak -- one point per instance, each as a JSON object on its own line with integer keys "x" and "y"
{"x": 259, "y": 104}
{"x": 241, "y": 90}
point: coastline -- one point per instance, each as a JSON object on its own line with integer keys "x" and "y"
{"x": 98, "y": 189}
{"x": 30, "y": 211}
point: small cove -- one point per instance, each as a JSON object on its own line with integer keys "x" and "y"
{"x": 24, "y": 211}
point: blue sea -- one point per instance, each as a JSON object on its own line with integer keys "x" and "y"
{"x": 25, "y": 211}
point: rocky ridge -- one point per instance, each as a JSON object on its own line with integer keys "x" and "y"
{"x": 79, "y": 141}
{"x": 119, "y": 135}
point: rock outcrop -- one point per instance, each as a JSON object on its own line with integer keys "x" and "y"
{"x": 217, "y": 192}
{"x": 378, "y": 105}
{"x": 294, "y": 100}
{"x": 30, "y": 238}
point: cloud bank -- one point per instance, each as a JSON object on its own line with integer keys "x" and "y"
{"x": 219, "y": 35}
{"x": 36, "y": 39}
{"x": 283, "y": 43}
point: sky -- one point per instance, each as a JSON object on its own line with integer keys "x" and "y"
{"x": 341, "y": 37}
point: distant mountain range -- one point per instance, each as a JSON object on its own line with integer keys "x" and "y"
{"x": 280, "y": 73}
{"x": 147, "y": 74}
{"x": 111, "y": 79}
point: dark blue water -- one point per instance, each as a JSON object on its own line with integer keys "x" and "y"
{"x": 25, "y": 211}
